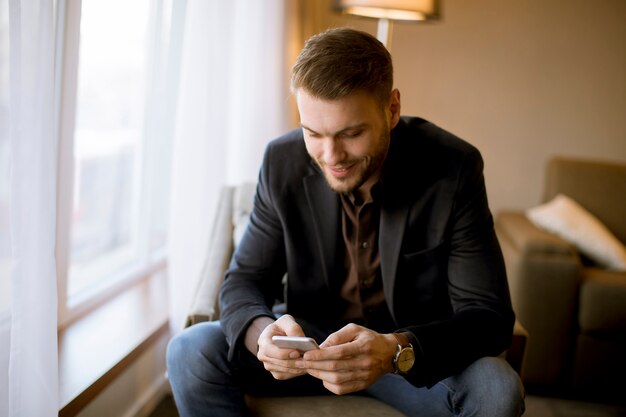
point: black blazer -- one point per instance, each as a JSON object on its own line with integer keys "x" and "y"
{"x": 442, "y": 268}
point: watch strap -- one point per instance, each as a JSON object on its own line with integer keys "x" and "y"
{"x": 403, "y": 340}
{"x": 403, "y": 345}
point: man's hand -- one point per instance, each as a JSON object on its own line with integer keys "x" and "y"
{"x": 280, "y": 362}
{"x": 350, "y": 359}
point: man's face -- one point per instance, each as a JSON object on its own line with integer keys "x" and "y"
{"x": 348, "y": 137}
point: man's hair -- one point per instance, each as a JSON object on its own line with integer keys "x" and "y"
{"x": 341, "y": 61}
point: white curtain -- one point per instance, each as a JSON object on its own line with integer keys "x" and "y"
{"x": 233, "y": 99}
{"x": 33, "y": 375}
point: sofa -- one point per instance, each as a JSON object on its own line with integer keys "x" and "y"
{"x": 573, "y": 306}
{"x": 235, "y": 204}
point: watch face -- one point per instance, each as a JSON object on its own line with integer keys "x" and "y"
{"x": 406, "y": 359}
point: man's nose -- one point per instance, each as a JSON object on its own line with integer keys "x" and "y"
{"x": 334, "y": 153}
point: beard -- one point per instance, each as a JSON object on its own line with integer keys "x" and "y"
{"x": 362, "y": 168}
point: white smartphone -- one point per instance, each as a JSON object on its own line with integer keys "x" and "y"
{"x": 302, "y": 344}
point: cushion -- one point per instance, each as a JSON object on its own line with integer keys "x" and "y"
{"x": 320, "y": 406}
{"x": 602, "y": 304}
{"x": 571, "y": 222}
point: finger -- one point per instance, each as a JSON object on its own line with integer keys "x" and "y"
{"x": 271, "y": 351}
{"x": 338, "y": 352}
{"x": 283, "y": 368}
{"x": 342, "y": 382}
{"x": 344, "y": 365}
{"x": 285, "y": 326}
{"x": 282, "y": 374}
{"x": 347, "y": 388}
{"x": 344, "y": 335}
{"x": 289, "y": 326}
{"x": 282, "y": 361}
{"x": 339, "y": 377}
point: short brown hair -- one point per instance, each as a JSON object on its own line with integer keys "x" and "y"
{"x": 340, "y": 61}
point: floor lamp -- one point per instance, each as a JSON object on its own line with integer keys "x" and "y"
{"x": 386, "y": 11}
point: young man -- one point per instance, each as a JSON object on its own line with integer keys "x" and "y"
{"x": 382, "y": 225}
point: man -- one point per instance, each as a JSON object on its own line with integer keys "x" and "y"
{"x": 383, "y": 228}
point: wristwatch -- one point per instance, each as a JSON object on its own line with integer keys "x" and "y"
{"x": 405, "y": 356}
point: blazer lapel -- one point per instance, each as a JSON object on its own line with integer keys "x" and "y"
{"x": 324, "y": 208}
{"x": 392, "y": 227}
{"x": 394, "y": 212}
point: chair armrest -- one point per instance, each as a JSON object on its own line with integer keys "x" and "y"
{"x": 528, "y": 239}
{"x": 204, "y": 306}
{"x": 544, "y": 274}
{"x": 514, "y": 355}
{"x": 536, "y": 255}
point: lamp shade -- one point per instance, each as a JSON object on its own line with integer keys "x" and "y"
{"x": 412, "y": 10}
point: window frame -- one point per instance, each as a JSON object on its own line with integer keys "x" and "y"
{"x": 66, "y": 88}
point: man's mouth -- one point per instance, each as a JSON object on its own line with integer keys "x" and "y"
{"x": 341, "y": 171}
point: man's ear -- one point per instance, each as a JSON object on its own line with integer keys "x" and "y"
{"x": 394, "y": 108}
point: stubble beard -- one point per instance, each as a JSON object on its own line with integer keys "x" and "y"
{"x": 364, "y": 168}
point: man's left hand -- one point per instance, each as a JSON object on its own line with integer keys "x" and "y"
{"x": 351, "y": 359}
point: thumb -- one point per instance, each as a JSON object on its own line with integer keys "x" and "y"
{"x": 289, "y": 325}
{"x": 344, "y": 335}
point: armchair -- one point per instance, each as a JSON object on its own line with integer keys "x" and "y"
{"x": 574, "y": 310}
{"x": 235, "y": 204}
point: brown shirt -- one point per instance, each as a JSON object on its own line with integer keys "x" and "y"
{"x": 362, "y": 290}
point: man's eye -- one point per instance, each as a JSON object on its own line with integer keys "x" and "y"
{"x": 352, "y": 133}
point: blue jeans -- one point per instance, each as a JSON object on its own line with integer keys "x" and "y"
{"x": 205, "y": 383}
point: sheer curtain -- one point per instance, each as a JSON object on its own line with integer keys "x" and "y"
{"x": 32, "y": 377}
{"x": 233, "y": 99}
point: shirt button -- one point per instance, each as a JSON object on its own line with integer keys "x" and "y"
{"x": 365, "y": 245}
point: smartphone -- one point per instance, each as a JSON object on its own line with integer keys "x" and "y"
{"x": 302, "y": 344}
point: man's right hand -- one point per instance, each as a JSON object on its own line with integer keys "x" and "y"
{"x": 279, "y": 362}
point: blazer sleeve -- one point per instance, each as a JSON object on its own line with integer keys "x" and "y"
{"x": 482, "y": 319}
{"x": 253, "y": 279}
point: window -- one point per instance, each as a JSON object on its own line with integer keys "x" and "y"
{"x": 5, "y": 235}
{"x": 115, "y": 153}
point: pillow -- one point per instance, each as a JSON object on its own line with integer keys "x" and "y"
{"x": 571, "y": 222}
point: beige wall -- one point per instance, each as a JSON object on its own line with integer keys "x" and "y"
{"x": 523, "y": 80}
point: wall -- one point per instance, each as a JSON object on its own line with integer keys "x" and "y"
{"x": 523, "y": 80}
